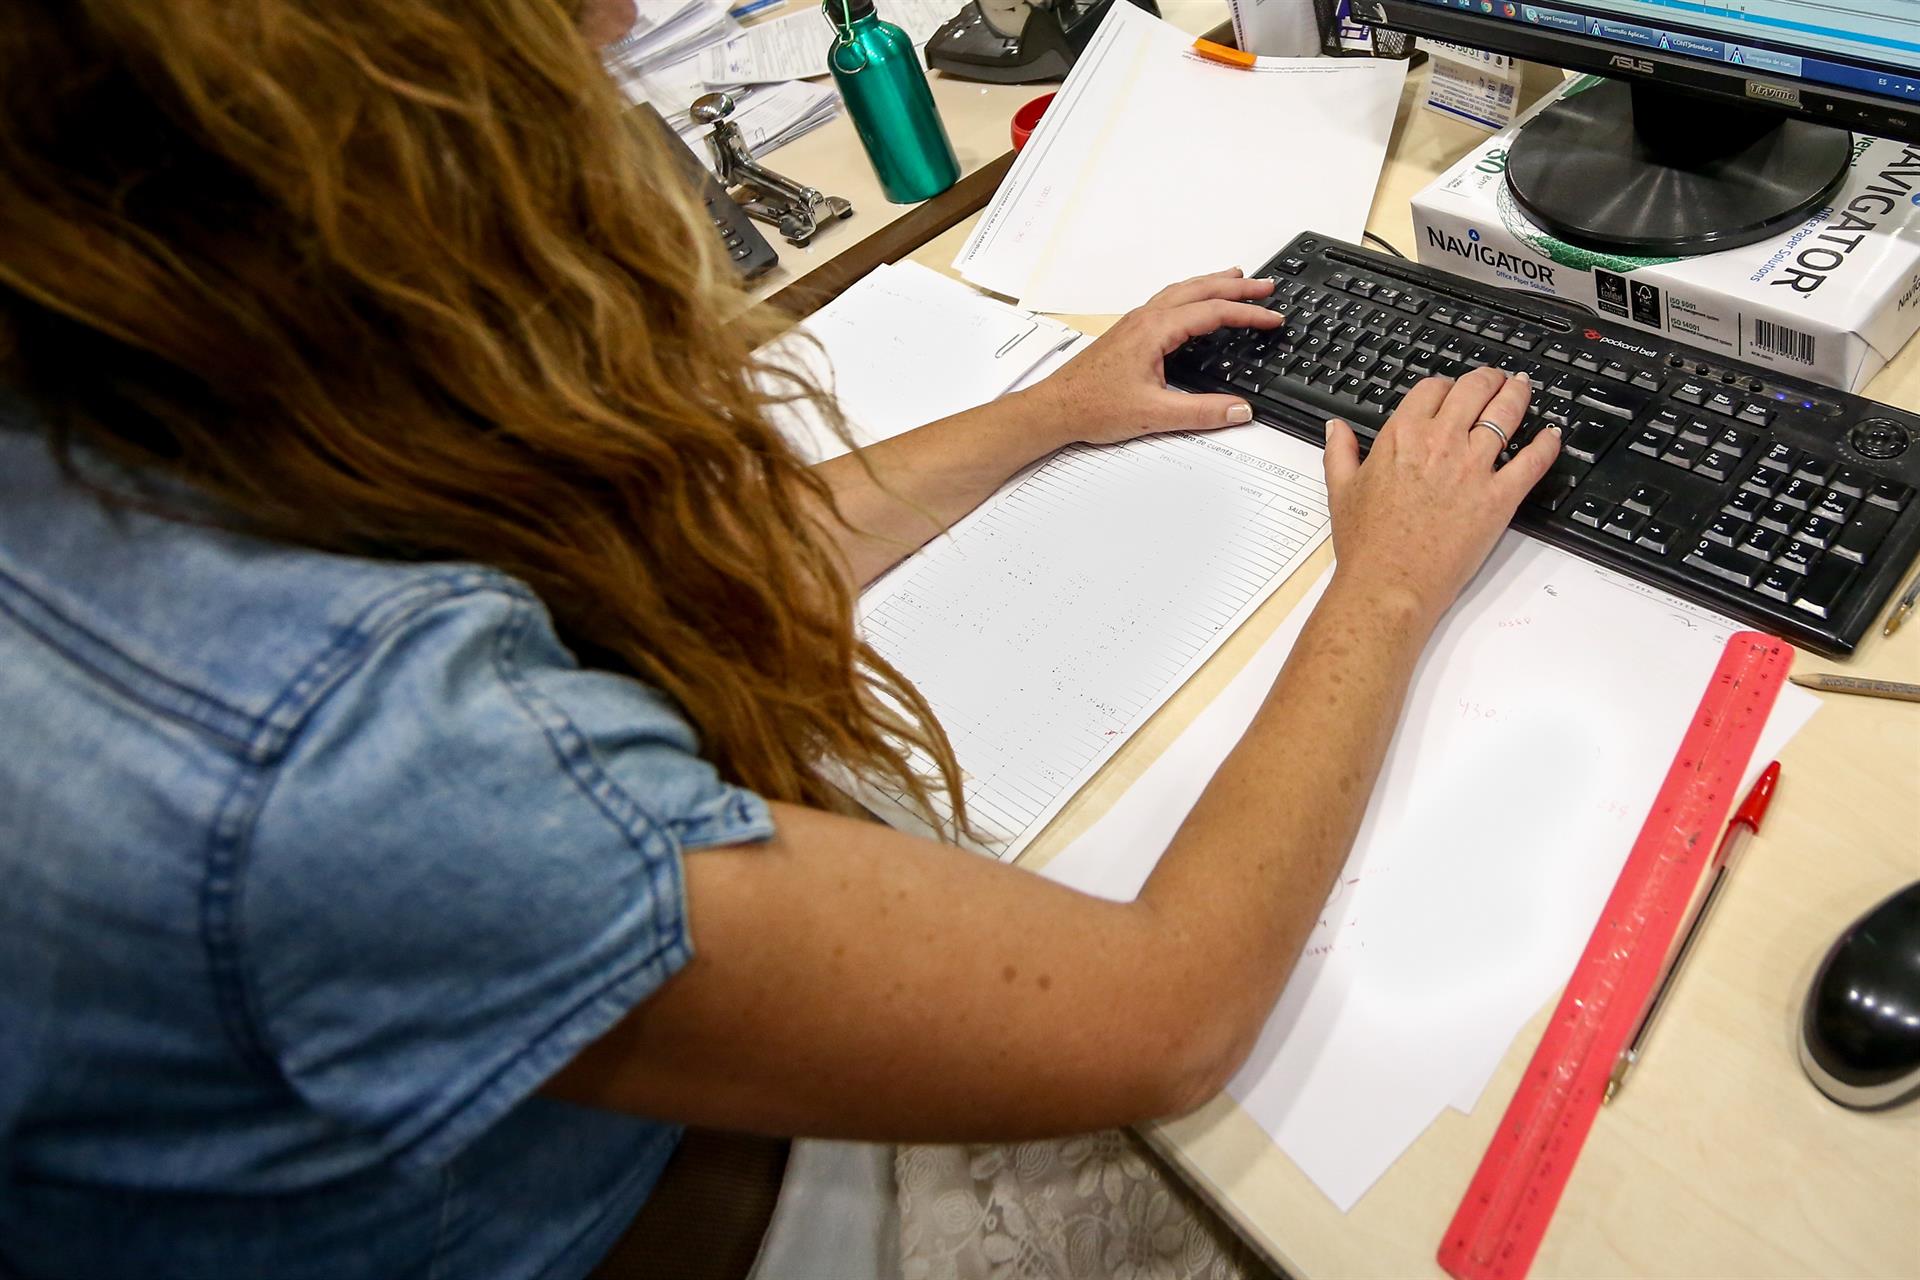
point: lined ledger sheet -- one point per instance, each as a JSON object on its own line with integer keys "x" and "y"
{"x": 1055, "y": 619}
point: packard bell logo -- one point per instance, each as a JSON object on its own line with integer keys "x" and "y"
{"x": 1773, "y": 93}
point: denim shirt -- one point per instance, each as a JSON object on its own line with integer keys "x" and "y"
{"x": 312, "y": 870}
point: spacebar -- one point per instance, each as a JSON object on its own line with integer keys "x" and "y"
{"x": 1321, "y": 404}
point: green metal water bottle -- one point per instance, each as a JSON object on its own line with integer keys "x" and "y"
{"x": 886, "y": 93}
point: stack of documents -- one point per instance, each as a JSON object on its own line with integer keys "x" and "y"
{"x": 1541, "y": 721}
{"x": 795, "y": 45}
{"x": 662, "y": 61}
{"x": 666, "y": 33}
{"x": 1154, "y": 164}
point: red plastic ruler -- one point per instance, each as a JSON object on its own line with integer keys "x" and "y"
{"x": 1499, "y": 1225}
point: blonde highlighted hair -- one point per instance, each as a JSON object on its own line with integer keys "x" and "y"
{"x": 398, "y": 278}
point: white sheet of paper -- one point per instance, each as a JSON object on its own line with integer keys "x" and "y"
{"x": 1508, "y": 801}
{"x": 794, "y": 45}
{"x": 1125, "y": 185}
{"x": 1051, "y": 622}
{"x": 906, "y": 346}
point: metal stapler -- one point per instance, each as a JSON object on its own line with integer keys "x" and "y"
{"x": 797, "y": 210}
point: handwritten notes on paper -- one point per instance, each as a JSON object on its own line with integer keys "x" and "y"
{"x": 1054, "y": 620}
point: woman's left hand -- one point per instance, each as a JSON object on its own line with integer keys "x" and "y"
{"x": 1117, "y": 388}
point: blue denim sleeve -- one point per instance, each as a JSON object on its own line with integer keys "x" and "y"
{"x": 467, "y": 868}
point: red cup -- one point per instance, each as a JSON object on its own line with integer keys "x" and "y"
{"x": 1027, "y": 119}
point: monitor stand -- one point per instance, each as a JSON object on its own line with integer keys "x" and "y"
{"x": 1651, "y": 172}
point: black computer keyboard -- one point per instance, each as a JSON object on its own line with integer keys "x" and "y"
{"x": 1781, "y": 503}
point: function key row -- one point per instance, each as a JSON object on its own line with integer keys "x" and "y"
{"x": 1385, "y": 293}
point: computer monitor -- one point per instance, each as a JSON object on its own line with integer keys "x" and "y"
{"x": 1722, "y": 122}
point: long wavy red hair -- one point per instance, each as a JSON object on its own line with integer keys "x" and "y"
{"x": 399, "y": 278}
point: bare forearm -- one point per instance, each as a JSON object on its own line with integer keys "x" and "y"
{"x": 923, "y": 481}
{"x": 1247, "y": 874}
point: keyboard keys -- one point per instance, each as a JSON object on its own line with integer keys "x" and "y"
{"x": 1649, "y": 442}
{"x": 1615, "y": 370}
{"x": 1657, "y": 536}
{"x": 1777, "y": 584}
{"x": 1588, "y": 440}
{"x": 1586, "y": 360}
{"x": 1725, "y": 530}
{"x": 1443, "y": 315}
{"x": 1552, "y": 491}
{"x": 1715, "y": 466}
{"x": 1780, "y": 516}
{"x": 1669, "y": 420}
{"x": 1683, "y": 453}
{"x": 1756, "y": 413}
{"x": 1744, "y": 505}
{"x": 1817, "y": 531}
{"x": 1800, "y": 493}
{"x": 1779, "y": 457}
{"x": 1622, "y": 523}
{"x": 1863, "y": 535}
{"x": 1386, "y": 296}
{"x": 1524, "y": 338}
{"x": 1605, "y": 400}
{"x": 1497, "y": 330}
{"x": 1589, "y": 511}
{"x": 1835, "y": 507}
{"x": 1691, "y": 393}
{"x": 1816, "y": 469}
{"x": 1721, "y": 402}
{"x": 1820, "y": 591}
{"x": 1723, "y": 563}
{"x": 1339, "y": 280}
{"x": 1763, "y": 482}
{"x": 1799, "y": 558}
{"x": 1762, "y": 544}
{"x": 1734, "y": 441}
{"x": 1890, "y": 494}
{"x": 1851, "y": 482}
{"x": 1695, "y": 431}
{"x": 1646, "y": 381}
{"x": 1559, "y": 351}
{"x": 1292, "y": 265}
{"x": 1645, "y": 499}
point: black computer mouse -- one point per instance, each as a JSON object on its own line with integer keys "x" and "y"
{"x": 1860, "y": 1034}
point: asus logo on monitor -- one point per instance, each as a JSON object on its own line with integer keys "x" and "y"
{"x": 1773, "y": 93}
{"x": 1625, "y": 63}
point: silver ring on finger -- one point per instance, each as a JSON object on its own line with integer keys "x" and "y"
{"x": 1491, "y": 426}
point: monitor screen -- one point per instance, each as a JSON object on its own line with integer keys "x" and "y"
{"x": 1717, "y": 123}
{"x": 1868, "y": 46}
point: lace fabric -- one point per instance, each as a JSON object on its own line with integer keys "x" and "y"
{"x": 1095, "y": 1207}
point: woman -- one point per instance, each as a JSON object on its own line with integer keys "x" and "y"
{"x": 423, "y": 667}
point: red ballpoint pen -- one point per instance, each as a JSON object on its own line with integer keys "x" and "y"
{"x": 1744, "y": 825}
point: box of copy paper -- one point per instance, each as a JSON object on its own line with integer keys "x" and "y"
{"x": 1831, "y": 300}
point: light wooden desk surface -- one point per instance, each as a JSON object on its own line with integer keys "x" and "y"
{"x": 1720, "y": 1160}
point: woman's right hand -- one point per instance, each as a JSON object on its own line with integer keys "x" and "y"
{"x": 1415, "y": 521}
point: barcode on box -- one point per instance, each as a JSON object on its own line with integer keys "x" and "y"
{"x": 1779, "y": 340}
